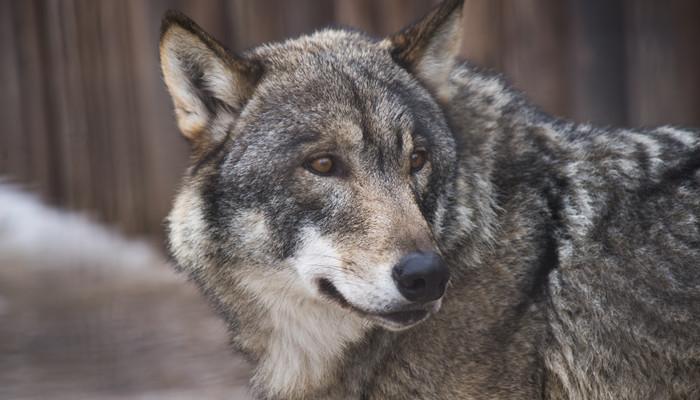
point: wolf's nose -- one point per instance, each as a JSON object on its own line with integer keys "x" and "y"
{"x": 421, "y": 277}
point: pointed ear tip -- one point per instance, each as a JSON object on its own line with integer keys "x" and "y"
{"x": 451, "y": 7}
{"x": 177, "y": 18}
{"x": 454, "y": 6}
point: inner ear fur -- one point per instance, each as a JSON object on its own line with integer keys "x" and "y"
{"x": 208, "y": 85}
{"x": 430, "y": 47}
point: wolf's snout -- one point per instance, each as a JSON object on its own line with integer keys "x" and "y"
{"x": 421, "y": 277}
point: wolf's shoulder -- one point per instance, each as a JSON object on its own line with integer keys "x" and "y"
{"x": 627, "y": 289}
{"x": 483, "y": 93}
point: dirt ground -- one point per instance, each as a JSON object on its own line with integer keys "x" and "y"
{"x": 86, "y": 314}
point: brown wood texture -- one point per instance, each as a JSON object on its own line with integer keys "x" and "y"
{"x": 86, "y": 122}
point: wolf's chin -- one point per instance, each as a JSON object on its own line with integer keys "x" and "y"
{"x": 400, "y": 321}
{"x": 394, "y": 321}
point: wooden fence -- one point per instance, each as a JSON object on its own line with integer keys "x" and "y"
{"x": 86, "y": 122}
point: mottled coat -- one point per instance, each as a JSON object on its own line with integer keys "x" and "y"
{"x": 573, "y": 250}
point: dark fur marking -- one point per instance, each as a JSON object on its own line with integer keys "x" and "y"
{"x": 554, "y": 229}
{"x": 302, "y": 138}
{"x": 399, "y": 142}
{"x": 212, "y": 193}
{"x": 196, "y": 76}
{"x": 673, "y": 177}
{"x": 548, "y": 260}
{"x": 536, "y": 289}
{"x": 643, "y": 159}
{"x": 211, "y": 155}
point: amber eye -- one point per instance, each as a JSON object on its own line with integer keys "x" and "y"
{"x": 321, "y": 166}
{"x": 418, "y": 159}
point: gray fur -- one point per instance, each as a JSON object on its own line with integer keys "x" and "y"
{"x": 573, "y": 250}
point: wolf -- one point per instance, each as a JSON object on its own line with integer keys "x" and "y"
{"x": 377, "y": 219}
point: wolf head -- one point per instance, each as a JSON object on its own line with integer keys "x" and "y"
{"x": 322, "y": 166}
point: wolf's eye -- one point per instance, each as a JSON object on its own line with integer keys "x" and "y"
{"x": 418, "y": 158}
{"x": 321, "y": 165}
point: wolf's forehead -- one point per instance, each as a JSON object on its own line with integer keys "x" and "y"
{"x": 345, "y": 91}
{"x": 348, "y": 89}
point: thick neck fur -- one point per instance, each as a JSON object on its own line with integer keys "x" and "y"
{"x": 298, "y": 341}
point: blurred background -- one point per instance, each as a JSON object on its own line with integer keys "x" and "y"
{"x": 86, "y": 121}
{"x": 87, "y": 125}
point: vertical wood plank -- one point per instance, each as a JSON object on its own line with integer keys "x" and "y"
{"x": 534, "y": 52}
{"x": 395, "y": 14}
{"x": 306, "y": 16}
{"x": 13, "y": 139}
{"x": 598, "y": 61}
{"x": 68, "y": 105}
{"x": 359, "y": 14}
{"x": 122, "y": 116}
{"x": 663, "y": 60}
{"x": 164, "y": 151}
{"x": 29, "y": 157}
{"x": 253, "y": 23}
{"x": 483, "y": 40}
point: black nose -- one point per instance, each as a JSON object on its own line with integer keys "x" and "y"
{"x": 421, "y": 277}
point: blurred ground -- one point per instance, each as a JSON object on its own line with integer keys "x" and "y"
{"x": 86, "y": 314}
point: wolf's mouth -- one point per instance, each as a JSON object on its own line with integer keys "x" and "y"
{"x": 328, "y": 289}
{"x": 395, "y": 319}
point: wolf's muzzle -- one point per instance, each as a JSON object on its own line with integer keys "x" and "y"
{"x": 421, "y": 276}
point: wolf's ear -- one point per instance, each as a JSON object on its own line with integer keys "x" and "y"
{"x": 429, "y": 47}
{"x": 208, "y": 85}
